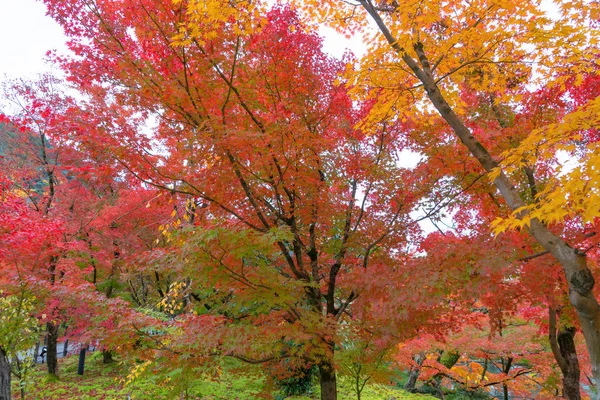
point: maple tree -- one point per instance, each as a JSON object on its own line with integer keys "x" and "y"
{"x": 66, "y": 221}
{"x": 36, "y": 253}
{"x": 18, "y": 229}
{"x": 496, "y": 48}
{"x": 509, "y": 319}
{"x": 288, "y": 219}
{"x": 362, "y": 360}
{"x": 476, "y": 362}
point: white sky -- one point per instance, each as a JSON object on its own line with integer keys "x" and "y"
{"x": 26, "y": 34}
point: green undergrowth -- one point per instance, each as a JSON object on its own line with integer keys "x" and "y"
{"x": 102, "y": 381}
{"x": 370, "y": 392}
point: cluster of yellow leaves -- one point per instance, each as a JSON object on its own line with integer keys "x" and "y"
{"x": 136, "y": 372}
{"x": 172, "y": 302}
{"x": 470, "y": 374}
{"x": 208, "y": 19}
{"x": 167, "y": 229}
{"x": 572, "y": 192}
{"x": 493, "y": 46}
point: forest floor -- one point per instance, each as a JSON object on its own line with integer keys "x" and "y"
{"x": 104, "y": 382}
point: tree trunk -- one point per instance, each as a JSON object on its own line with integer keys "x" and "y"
{"x": 51, "y": 347}
{"x": 4, "y": 376}
{"x": 81, "y": 364}
{"x": 107, "y": 357}
{"x": 563, "y": 348}
{"x": 414, "y": 373}
{"x": 506, "y": 369}
{"x": 36, "y": 354}
{"x": 328, "y": 381}
{"x": 572, "y": 374}
{"x": 573, "y": 261}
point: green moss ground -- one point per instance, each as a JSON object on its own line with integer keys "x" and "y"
{"x": 103, "y": 382}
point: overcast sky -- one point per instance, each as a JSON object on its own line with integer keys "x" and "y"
{"x": 26, "y": 34}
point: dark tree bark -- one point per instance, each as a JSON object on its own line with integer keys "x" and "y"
{"x": 572, "y": 374}
{"x": 4, "y": 376}
{"x": 52, "y": 329}
{"x": 107, "y": 357}
{"x": 328, "y": 381}
{"x": 506, "y": 364}
{"x": 563, "y": 348}
{"x": 573, "y": 262}
{"x": 81, "y": 363}
{"x": 51, "y": 347}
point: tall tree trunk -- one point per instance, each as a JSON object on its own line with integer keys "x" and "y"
{"x": 328, "y": 381}
{"x": 51, "y": 347}
{"x": 563, "y": 348}
{"x": 573, "y": 262}
{"x": 506, "y": 369}
{"x": 52, "y": 328}
{"x": 4, "y": 376}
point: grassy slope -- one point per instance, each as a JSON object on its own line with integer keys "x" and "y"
{"x": 105, "y": 382}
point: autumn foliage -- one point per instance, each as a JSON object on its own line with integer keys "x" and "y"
{"x": 221, "y": 187}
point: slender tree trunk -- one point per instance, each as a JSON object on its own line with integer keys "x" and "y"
{"x": 81, "y": 363}
{"x": 4, "y": 376}
{"x": 506, "y": 369}
{"x": 51, "y": 347}
{"x": 36, "y": 353}
{"x": 21, "y": 377}
{"x": 51, "y": 327}
{"x": 563, "y": 348}
{"x": 574, "y": 263}
{"x": 328, "y": 381}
